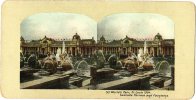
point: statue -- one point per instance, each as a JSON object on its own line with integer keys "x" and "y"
{"x": 130, "y": 65}
{"x": 140, "y": 55}
{"x": 100, "y": 59}
{"x": 58, "y": 56}
{"x": 65, "y": 62}
{"x": 50, "y": 64}
{"x": 145, "y": 62}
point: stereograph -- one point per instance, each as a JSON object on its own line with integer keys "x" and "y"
{"x": 97, "y": 49}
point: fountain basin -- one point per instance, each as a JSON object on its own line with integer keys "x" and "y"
{"x": 158, "y": 82}
{"x": 26, "y": 73}
{"x": 102, "y": 73}
{"x": 76, "y": 81}
{"x": 66, "y": 65}
{"x": 131, "y": 66}
{"x": 147, "y": 66}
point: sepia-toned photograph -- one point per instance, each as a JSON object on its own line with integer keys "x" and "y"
{"x": 122, "y": 51}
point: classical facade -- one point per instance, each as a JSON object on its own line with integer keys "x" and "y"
{"x": 156, "y": 47}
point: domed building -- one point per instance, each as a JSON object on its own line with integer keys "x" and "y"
{"x": 77, "y": 46}
{"x": 73, "y": 47}
{"x": 76, "y": 37}
{"x": 158, "y": 37}
{"x": 156, "y": 47}
{"x": 102, "y": 39}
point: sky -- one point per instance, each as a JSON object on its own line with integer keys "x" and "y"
{"x": 115, "y": 26}
{"x": 58, "y": 26}
{"x": 135, "y": 25}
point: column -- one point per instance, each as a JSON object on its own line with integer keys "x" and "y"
{"x": 163, "y": 51}
{"x": 135, "y": 51}
{"x": 153, "y": 51}
{"x": 85, "y": 51}
{"x": 70, "y": 49}
{"x": 171, "y": 51}
{"x": 91, "y": 50}
{"x": 76, "y": 48}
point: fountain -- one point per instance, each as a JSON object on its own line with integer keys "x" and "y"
{"x": 113, "y": 61}
{"x": 83, "y": 69}
{"x": 27, "y": 70}
{"x": 54, "y": 73}
{"x": 119, "y": 64}
{"x": 144, "y": 59}
{"x": 64, "y": 61}
{"x": 140, "y": 55}
{"x": 48, "y": 66}
{"x": 63, "y": 48}
{"x": 58, "y": 55}
{"x": 164, "y": 69}
{"x": 134, "y": 72}
{"x": 76, "y": 64}
{"x": 138, "y": 64}
{"x": 66, "y": 65}
{"x": 130, "y": 65}
{"x": 145, "y": 51}
{"x": 101, "y": 71}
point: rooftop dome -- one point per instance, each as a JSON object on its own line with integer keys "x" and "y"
{"x": 22, "y": 39}
{"x": 158, "y": 37}
{"x": 102, "y": 38}
{"x": 76, "y": 37}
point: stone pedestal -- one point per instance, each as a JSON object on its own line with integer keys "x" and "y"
{"x": 158, "y": 82}
{"x": 76, "y": 81}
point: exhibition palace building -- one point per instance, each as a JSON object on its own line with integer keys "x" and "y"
{"x": 86, "y": 47}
